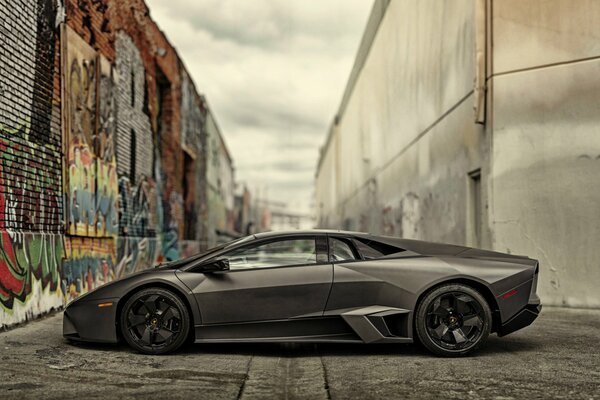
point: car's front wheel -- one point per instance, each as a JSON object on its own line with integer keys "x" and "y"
{"x": 453, "y": 320}
{"x": 155, "y": 321}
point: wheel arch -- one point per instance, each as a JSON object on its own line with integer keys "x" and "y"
{"x": 480, "y": 287}
{"x": 154, "y": 284}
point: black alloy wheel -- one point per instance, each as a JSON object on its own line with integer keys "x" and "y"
{"x": 155, "y": 321}
{"x": 453, "y": 320}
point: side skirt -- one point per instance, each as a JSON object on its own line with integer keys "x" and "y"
{"x": 375, "y": 324}
{"x": 319, "y": 329}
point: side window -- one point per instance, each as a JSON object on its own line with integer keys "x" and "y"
{"x": 341, "y": 250}
{"x": 274, "y": 254}
{"x": 371, "y": 249}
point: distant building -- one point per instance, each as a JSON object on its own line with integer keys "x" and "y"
{"x": 475, "y": 122}
{"x": 218, "y": 220}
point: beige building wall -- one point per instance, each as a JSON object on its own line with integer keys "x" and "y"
{"x": 405, "y": 155}
{"x": 545, "y": 179}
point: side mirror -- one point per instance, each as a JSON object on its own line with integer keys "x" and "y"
{"x": 220, "y": 264}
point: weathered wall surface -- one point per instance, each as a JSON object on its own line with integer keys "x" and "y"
{"x": 546, "y": 146}
{"x": 400, "y": 149}
{"x": 102, "y": 151}
{"x": 405, "y": 155}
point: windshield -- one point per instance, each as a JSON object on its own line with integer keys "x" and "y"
{"x": 207, "y": 253}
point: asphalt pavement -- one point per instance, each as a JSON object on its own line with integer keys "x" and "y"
{"x": 557, "y": 357}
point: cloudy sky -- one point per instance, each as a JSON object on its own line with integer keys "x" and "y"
{"x": 273, "y": 72}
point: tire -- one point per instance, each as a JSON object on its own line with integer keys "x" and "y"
{"x": 453, "y": 320}
{"x": 155, "y": 321}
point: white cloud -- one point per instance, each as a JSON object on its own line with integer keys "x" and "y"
{"x": 273, "y": 72}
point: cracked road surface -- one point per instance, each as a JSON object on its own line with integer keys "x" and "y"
{"x": 557, "y": 357}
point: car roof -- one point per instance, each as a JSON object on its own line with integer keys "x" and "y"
{"x": 308, "y": 232}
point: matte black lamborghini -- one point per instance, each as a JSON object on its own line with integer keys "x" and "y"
{"x": 315, "y": 286}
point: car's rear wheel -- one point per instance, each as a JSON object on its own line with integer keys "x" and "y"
{"x": 453, "y": 320}
{"x": 155, "y": 321}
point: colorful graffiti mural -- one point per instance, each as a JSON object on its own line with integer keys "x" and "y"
{"x": 29, "y": 194}
{"x": 138, "y": 207}
{"x": 89, "y": 263}
{"x": 79, "y": 109}
{"x": 27, "y": 261}
{"x": 174, "y": 212}
{"x": 103, "y": 162}
{"x": 89, "y": 129}
{"x": 136, "y": 254}
{"x": 107, "y": 191}
{"x": 28, "y": 199}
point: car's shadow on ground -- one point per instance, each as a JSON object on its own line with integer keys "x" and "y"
{"x": 494, "y": 345}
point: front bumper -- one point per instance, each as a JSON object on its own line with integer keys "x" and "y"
{"x": 89, "y": 322}
{"x": 521, "y": 319}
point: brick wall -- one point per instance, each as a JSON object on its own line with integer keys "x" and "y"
{"x": 30, "y": 161}
{"x": 102, "y": 159}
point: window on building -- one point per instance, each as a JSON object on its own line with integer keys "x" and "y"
{"x": 132, "y": 87}
{"x": 475, "y": 205}
{"x": 189, "y": 197}
{"x": 133, "y": 153}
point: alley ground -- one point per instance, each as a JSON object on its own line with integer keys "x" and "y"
{"x": 557, "y": 357}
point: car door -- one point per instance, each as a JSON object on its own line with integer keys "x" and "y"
{"x": 361, "y": 278}
{"x": 271, "y": 279}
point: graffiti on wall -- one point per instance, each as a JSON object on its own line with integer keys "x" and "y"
{"x": 106, "y": 163}
{"x": 30, "y": 163}
{"x": 136, "y": 254}
{"x": 138, "y": 207}
{"x": 89, "y": 127}
{"x": 28, "y": 190}
{"x": 174, "y": 213}
{"x": 27, "y": 261}
{"x": 89, "y": 263}
{"x": 79, "y": 81}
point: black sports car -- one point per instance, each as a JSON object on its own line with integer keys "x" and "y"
{"x": 315, "y": 286}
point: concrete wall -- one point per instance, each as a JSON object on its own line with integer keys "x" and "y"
{"x": 405, "y": 154}
{"x": 546, "y": 146}
{"x": 102, "y": 151}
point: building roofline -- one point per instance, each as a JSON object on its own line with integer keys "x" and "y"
{"x": 377, "y": 13}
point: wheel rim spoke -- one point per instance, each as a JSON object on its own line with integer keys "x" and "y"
{"x": 459, "y": 336}
{"x": 472, "y": 320}
{"x": 162, "y": 306}
{"x": 147, "y": 336}
{"x": 150, "y": 303}
{"x": 136, "y": 319}
{"x": 441, "y": 330}
{"x": 164, "y": 334}
{"x": 170, "y": 313}
{"x": 462, "y": 305}
{"x": 439, "y": 309}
